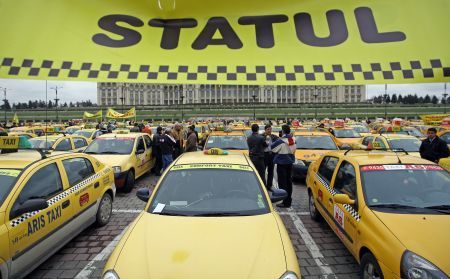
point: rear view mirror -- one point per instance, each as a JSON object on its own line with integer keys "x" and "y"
{"x": 343, "y": 199}
{"x": 28, "y": 206}
{"x": 277, "y": 195}
{"x": 143, "y": 194}
{"x": 140, "y": 151}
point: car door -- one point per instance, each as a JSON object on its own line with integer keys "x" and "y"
{"x": 35, "y": 235}
{"x": 346, "y": 216}
{"x": 149, "y": 162}
{"x": 83, "y": 185}
{"x": 323, "y": 183}
{"x": 79, "y": 143}
{"x": 140, "y": 156}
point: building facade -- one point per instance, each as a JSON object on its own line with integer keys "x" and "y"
{"x": 110, "y": 93}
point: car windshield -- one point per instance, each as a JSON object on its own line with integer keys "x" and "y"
{"x": 414, "y": 132}
{"x": 227, "y": 142}
{"x": 7, "y": 179}
{"x": 315, "y": 142}
{"x": 361, "y": 129}
{"x": 83, "y": 133}
{"x": 417, "y": 186}
{"x": 210, "y": 192}
{"x": 72, "y": 130}
{"x": 446, "y": 137}
{"x": 41, "y": 143}
{"x": 346, "y": 133}
{"x": 111, "y": 146}
{"x": 410, "y": 145}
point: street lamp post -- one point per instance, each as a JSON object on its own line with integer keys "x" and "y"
{"x": 122, "y": 98}
{"x": 182, "y": 108}
{"x": 254, "y": 108}
{"x": 315, "y": 101}
{"x": 445, "y": 98}
{"x": 56, "y": 101}
{"x": 4, "y": 103}
{"x": 385, "y": 101}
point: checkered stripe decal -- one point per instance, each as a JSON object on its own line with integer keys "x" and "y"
{"x": 347, "y": 207}
{"x": 55, "y": 199}
{"x": 371, "y": 71}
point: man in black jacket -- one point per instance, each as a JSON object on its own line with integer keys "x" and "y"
{"x": 268, "y": 155}
{"x": 433, "y": 148}
{"x": 157, "y": 151}
{"x": 256, "y": 144}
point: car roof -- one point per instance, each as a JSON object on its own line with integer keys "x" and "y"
{"x": 221, "y": 133}
{"x": 130, "y": 135}
{"x": 375, "y": 157}
{"x": 200, "y": 158}
{"x": 51, "y": 137}
{"x": 311, "y": 133}
{"x": 398, "y": 136}
{"x": 22, "y": 158}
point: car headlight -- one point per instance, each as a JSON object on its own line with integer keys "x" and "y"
{"x": 415, "y": 267}
{"x": 289, "y": 275}
{"x": 299, "y": 162}
{"x": 117, "y": 169}
{"x": 110, "y": 274}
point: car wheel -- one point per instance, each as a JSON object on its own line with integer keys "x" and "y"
{"x": 129, "y": 182}
{"x": 104, "y": 210}
{"x": 313, "y": 212}
{"x": 370, "y": 269}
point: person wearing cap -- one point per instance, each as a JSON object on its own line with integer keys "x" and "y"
{"x": 433, "y": 148}
{"x": 157, "y": 151}
{"x": 284, "y": 150}
{"x": 191, "y": 142}
{"x": 256, "y": 145}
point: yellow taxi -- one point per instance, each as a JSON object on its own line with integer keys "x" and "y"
{"x": 232, "y": 141}
{"x": 401, "y": 142}
{"x": 445, "y": 136}
{"x": 310, "y": 147}
{"x": 72, "y": 129}
{"x": 130, "y": 156}
{"x": 391, "y": 210}
{"x": 59, "y": 142}
{"x": 363, "y": 130}
{"x": 89, "y": 134}
{"x": 37, "y": 131}
{"x": 445, "y": 163}
{"x": 45, "y": 201}
{"x": 216, "y": 220}
{"x": 21, "y": 134}
{"x": 345, "y": 137}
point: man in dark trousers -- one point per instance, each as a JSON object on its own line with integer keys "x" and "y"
{"x": 157, "y": 151}
{"x": 268, "y": 155}
{"x": 256, "y": 144}
{"x": 433, "y": 148}
{"x": 284, "y": 150}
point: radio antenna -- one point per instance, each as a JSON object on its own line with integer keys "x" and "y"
{"x": 46, "y": 114}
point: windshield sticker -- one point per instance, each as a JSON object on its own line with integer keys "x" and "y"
{"x": 212, "y": 166}
{"x": 260, "y": 201}
{"x": 401, "y": 167}
{"x": 339, "y": 216}
{"x": 119, "y": 138}
{"x": 159, "y": 208}
{"x": 178, "y": 203}
{"x": 13, "y": 173}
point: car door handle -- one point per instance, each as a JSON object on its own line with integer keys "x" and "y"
{"x": 330, "y": 200}
{"x": 66, "y": 204}
{"x": 96, "y": 184}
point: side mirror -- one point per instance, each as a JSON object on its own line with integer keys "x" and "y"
{"x": 143, "y": 194}
{"x": 343, "y": 199}
{"x": 345, "y": 147}
{"x": 29, "y": 206}
{"x": 277, "y": 195}
{"x": 140, "y": 151}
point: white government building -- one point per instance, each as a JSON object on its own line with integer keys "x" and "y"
{"x": 110, "y": 93}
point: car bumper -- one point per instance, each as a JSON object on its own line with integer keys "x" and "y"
{"x": 120, "y": 179}
{"x": 299, "y": 171}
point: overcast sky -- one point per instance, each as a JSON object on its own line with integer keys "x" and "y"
{"x": 24, "y": 90}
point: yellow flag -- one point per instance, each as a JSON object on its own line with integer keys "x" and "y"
{"x": 271, "y": 42}
{"x": 15, "y": 118}
{"x": 111, "y": 113}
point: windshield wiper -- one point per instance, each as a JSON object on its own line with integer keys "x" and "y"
{"x": 111, "y": 152}
{"x": 219, "y": 214}
{"x": 171, "y": 214}
{"x": 442, "y": 206}
{"x": 393, "y": 205}
{"x": 90, "y": 152}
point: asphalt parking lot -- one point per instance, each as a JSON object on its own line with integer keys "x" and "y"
{"x": 320, "y": 252}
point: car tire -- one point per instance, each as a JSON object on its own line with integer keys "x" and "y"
{"x": 313, "y": 212}
{"x": 369, "y": 267}
{"x": 104, "y": 210}
{"x": 129, "y": 182}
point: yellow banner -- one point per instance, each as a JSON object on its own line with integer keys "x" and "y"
{"x": 111, "y": 113}
{"x": 15, "y": 119}
{"x": 9, "y": 142}
{"x": 434, "y": 119}
{"x": 96, "y": 115}
{"x": 229, "y": 42}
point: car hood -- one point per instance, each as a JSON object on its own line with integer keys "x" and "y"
{"x": 112, "y": 160}
{"x": 203, "y": 247}
{"x": 309, "y": 154}
{"x": 425, "y": 235}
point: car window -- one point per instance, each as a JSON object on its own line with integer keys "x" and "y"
{"x": 148, "y": 142}
{"x": 367, "y": 140}
{"x": 193, "y": 191}
{"x": 140, "y": 144}
{"x": 345, "y": 181}
{"x": 79, "y": 142}
{"x": 7, "y": 180}
{"x": 64, "y": 145}
{"x": 327, "y": 168}
{"x": 78, "y": 169}
{"x": 446, "y": 137}
{"x": 380, "y": 142}
{"x": 44, "y": 184}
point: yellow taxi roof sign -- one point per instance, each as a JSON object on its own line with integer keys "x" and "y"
{"x": 9, "y": 142}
